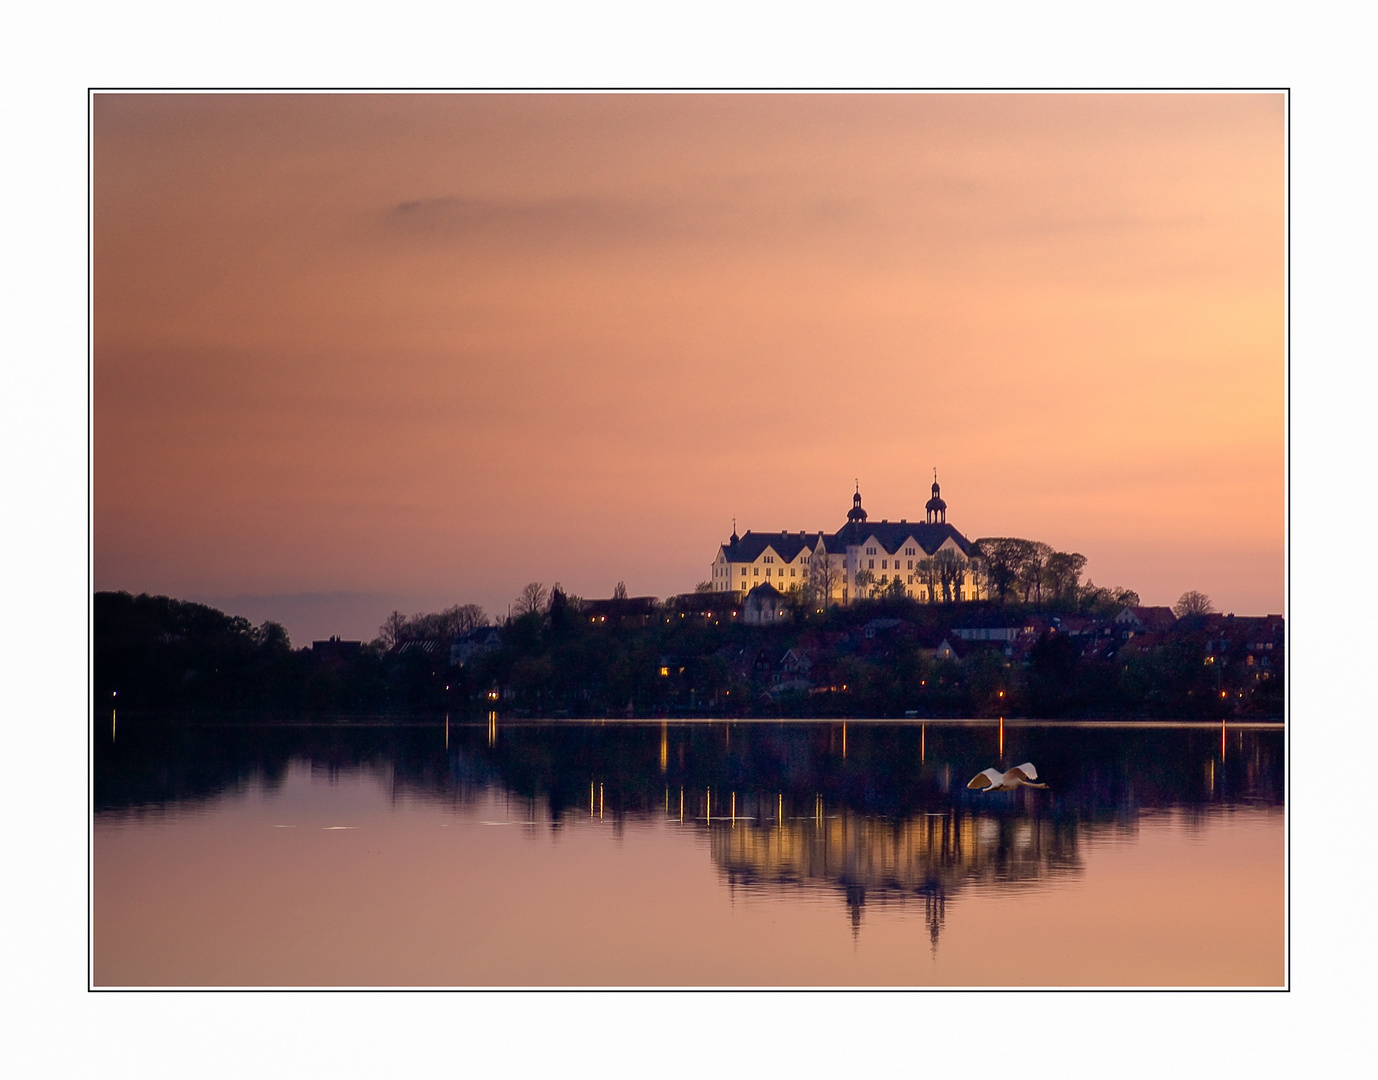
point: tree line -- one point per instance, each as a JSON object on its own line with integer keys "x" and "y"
{"x": 548, "y": 659}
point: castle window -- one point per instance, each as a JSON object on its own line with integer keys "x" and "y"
{"x": 743, "y": 571}
{"x": 885, "y": 564}
{"x": 872, "y": 564}
{"x": 755, "y": 571}
{"x": 909, "y": 564}
{"x": 911, "y": 579}
{"x": 791, "y": 571}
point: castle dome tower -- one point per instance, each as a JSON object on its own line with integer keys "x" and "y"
{"x": 936, "y": 508}
{"x": 856, "y": 515}
{"x": 856, "y": 519}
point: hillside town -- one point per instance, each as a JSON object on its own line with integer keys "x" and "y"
{"x": 699, "y": 655}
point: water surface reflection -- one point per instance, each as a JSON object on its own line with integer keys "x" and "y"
{"x": 867, "y": 817}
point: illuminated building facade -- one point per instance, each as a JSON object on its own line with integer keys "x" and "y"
{"x": 861, "y": 558}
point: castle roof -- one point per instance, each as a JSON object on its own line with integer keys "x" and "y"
{"x": 787, "y": 545}
{"x": 891, "y": 535}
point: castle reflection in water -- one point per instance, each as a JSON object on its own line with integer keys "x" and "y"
{"x": 927, "y": 858}
{"x": 871, "y": 813}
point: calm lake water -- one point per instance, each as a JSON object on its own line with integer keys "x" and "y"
{"x": 645, "y": 854}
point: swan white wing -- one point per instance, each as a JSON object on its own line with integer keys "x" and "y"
{"x": 986, "y": 778}
{"x": 1030, "y": 773}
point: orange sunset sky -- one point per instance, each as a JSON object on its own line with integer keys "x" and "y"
{"x": 362, "y": 352}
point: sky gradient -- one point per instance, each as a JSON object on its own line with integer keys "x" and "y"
{"x": 362, "y": 352}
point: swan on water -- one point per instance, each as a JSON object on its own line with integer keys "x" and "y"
{"x": 995, "y": 780}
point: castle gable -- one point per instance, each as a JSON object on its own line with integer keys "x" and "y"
{"x": 786, "y": 546}
{"x": 895, "y": 536}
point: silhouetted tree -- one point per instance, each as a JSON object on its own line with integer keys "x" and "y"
{"x": 272, "y": 638}
{"x": 532, "y": 599}
{"x": 823, "y": 579}
{"x": 1062, "y": 574}
{"x": 1001, "y": 559}
{"x": 559, "y": 610}
{"x": 927, "y": 572}
{"x": 950, "y": 569}
{"x": 393, "y": 630}
{"x": 450, "y": 623}
{"x": 1095, "y": 600}
{"x": 1031, "y": 570}
{"x": 1192, "y": 602}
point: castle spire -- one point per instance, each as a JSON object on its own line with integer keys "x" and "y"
{"x": 856, "y": 515}
{"x": 935, "y": 507}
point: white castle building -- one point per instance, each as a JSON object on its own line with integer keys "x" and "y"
{"x": 861, "y": 558}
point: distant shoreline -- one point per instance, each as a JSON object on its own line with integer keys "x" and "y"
{"x": 472, "y": 720}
